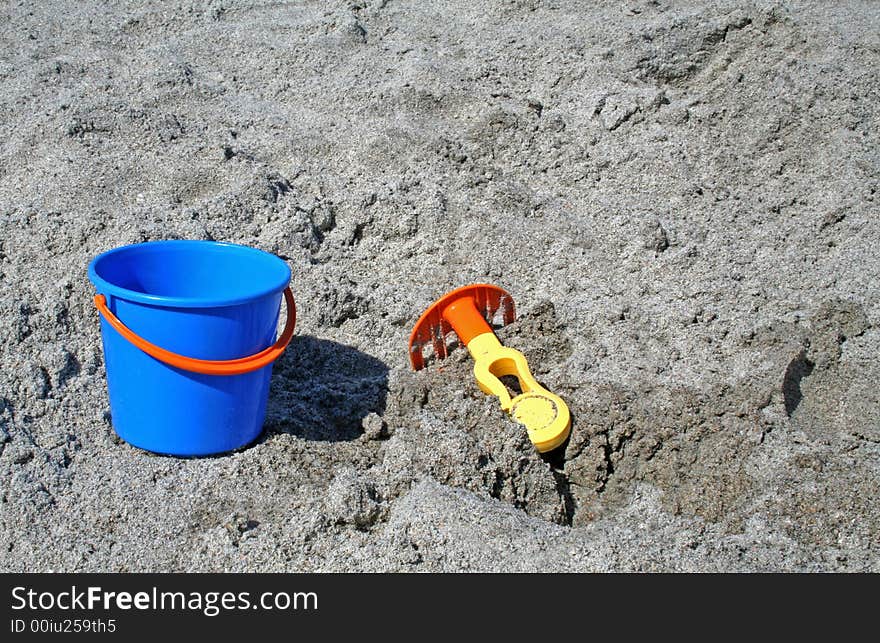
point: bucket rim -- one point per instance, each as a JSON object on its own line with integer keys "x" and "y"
{"x": 108, "y": 288}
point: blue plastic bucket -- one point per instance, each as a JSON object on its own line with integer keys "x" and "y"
{"x": 189, "y": 340}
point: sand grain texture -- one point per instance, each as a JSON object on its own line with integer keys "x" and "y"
{"x": 681, "y": 198}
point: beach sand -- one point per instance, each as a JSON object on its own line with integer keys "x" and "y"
{"x": 681, "y": 198}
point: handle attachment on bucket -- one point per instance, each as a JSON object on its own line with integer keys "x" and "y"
{"x": 206, "y": 366}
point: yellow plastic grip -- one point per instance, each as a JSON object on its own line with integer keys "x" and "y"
{"x": 544, "y": 414}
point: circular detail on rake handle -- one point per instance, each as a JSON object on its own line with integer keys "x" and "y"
{"x": 206, "y": 366}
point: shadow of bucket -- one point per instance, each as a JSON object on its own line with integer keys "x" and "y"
{"x": 188, "y": 329}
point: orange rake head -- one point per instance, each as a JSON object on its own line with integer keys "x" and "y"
{"x": 467, "y": 311}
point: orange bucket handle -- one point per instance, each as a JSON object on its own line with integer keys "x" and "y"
{"x": 206, "y": 366}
